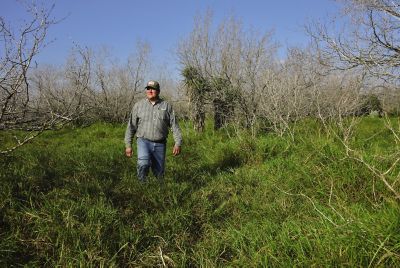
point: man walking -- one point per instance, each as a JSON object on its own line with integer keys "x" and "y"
{"x": 150, "y": 120}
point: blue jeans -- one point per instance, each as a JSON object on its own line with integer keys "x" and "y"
{"x": 150, "y": 155}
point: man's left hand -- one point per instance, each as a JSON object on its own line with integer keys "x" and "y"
{"x": 176, "y": 150}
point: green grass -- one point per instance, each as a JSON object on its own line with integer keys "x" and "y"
{"x": 71, "y": 198}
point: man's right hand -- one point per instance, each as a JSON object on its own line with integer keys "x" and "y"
{"x": 128, "y": 152}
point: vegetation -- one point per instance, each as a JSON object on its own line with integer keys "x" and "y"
{"x": 71, "y": 198}
{"x": 290, "y": 175}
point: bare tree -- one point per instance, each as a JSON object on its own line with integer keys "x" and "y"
{"x": 89, "y": 87}
{"x": 243, "y": 55}
{"x": 64, "y": 95}
{"x": 196, "y": 56}
{"x": 370, "y": 39}
{"x": 117, "y": 85}
{"x": 288, "y": 90}
{"x": 137, "y": 65}
{"x": 19, "y": 48}
{"x": 228, "y": 63}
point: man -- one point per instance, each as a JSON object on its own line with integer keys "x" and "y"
{"x": 150, "y": 120}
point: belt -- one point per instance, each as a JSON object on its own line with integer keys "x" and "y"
{"x": 164, "y": 141}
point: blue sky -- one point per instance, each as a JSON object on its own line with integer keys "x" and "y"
{"x": 119, "y": 24}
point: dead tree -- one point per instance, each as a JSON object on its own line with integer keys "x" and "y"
{"x": 370, "y": 42}
{"x": 66, "y": 93}
{"x": 30, "y": 103}
{"x": 19, "y": 48}
{"x": 231, "y": 61}
{"x": 117, "y": 85}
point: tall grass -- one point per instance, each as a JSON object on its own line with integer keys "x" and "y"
{"x": 71, "y": 198}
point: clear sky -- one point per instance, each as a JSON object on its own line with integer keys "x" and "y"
{"x": 119, "y": 24}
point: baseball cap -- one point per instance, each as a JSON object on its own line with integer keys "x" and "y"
{"x": 153, "y": 84}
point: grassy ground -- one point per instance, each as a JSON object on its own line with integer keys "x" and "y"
{"x": 71, "y": 198}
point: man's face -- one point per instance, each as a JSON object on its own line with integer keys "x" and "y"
{"x": 152, "y": 94}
